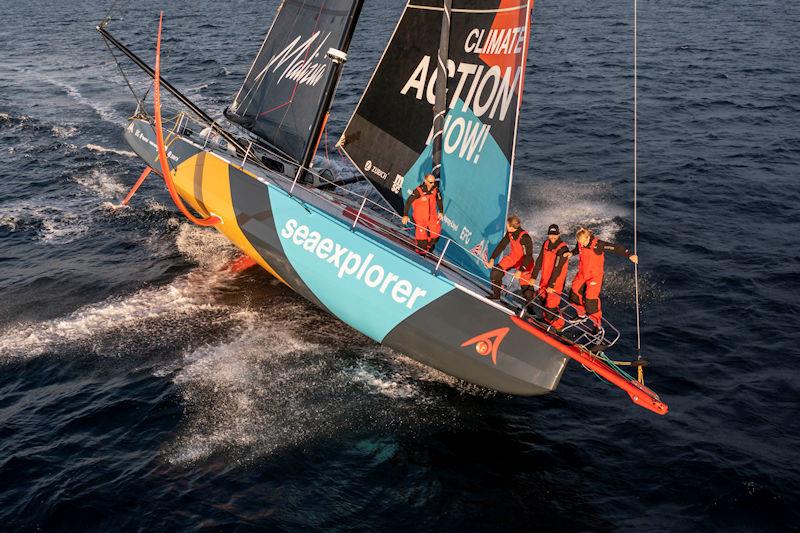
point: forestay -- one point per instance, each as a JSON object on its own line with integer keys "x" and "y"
{"x": 389, "y": 136}
{"x": 284, "y": 90}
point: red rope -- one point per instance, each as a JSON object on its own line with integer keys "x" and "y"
{"x": 328, "y": 159}
{"x": 162, "y": 153}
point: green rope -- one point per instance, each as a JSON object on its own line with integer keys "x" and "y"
{"x": 614, "y": 366}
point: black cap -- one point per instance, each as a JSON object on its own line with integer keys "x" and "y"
{"x": 553, "y": 230}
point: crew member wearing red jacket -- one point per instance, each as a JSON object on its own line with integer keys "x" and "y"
{"x": 552, "y": 265}
{"x": 426, "y": 201}
{"x": 520, "y": 254}
{"x": 585, "y": 292}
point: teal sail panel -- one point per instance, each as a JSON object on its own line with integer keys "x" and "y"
{"x": 389, "y": 137}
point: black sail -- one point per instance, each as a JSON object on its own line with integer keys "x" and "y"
{"x": 290, "y": 80}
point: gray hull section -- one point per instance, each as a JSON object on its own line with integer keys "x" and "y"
{"x": 434, "y": 336}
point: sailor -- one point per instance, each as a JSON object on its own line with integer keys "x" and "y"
{"x": 585, "y": 291}
{"x": 552, "y": 265}
{"x": 520, "y": 255}
{"x": 426, "y": 201}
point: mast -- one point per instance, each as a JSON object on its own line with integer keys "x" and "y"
{"x": 440, "y": 106}
{"x": 168, "y": 86}
{"x": 338, "y": 58}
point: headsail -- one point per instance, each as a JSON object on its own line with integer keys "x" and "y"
{"x": 389, "y": 136}
{"x": 286, "y": 86}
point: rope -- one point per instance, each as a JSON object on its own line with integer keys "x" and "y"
{"x": 162, "y": 154}
{"x": 124, "y": 76}
{"x": 635, "y": 173}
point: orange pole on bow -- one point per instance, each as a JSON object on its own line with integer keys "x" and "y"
{"x": 142, "y": 177}
{"x": 162, "y": 153}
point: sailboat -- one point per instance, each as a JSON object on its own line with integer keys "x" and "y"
{"x": 444, "y": 98}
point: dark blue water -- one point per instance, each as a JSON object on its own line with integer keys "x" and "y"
{"x": 142, "y": 388}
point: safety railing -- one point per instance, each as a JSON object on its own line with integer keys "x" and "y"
{"x": 578, "y": 330}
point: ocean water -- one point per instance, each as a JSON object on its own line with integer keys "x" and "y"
{"x": 142, "y": 386}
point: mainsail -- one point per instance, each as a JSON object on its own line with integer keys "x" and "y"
{"x": 389, "y": 137}
{"x": 283, "y": 96}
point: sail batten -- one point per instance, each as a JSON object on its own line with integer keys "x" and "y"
{"x": 393, "y": 136}
{"x": 292, "y": 75}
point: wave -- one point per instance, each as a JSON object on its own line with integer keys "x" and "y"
{"x": 64, "y": 131}
{"x": 103, "y": 111}
{"x": 90, "y": 327}
{"x": 52, "y": 224}
{"x": 104, "y": 149}
{"x": 274, "y": 384}
{"x": 102, "y": 184}
{"x": 570, "y": 205}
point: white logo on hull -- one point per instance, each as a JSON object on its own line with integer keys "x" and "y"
{"x": 350, "y": 263}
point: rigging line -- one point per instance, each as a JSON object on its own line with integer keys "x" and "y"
{"x": 124, "y": 76}
{"x": 110, "y": 10}
{"x": 635, "y": 171}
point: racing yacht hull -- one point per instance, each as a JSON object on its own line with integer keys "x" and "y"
{"x": 345, "y": 265}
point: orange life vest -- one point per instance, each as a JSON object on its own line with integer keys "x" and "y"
{"x": 425, "y": 212}
{"x": 549, "y": 258}
{"x": 516, "y": 252}
{"x": 592, "y": 264}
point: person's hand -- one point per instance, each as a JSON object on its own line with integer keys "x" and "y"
{"x": 440, "y": 216}
{"x": 405, "y": 220}
{"x": 517, "y": 274}
{"x": 550, "y": 290}
{"x": 567, "y": 254}
{"x": 634, "y": 259}
{"x": 489, "y": 263}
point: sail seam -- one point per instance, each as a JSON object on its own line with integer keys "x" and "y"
{"x": 464, "y": 10}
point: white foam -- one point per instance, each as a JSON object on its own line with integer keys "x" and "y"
{"x": 64, "y": 131}
{"x": 105, "y": 112}
{"x": 102, "y": 184}
{"x": 185, "y": 296}
{"x": 103, "y": 149}
{"x": 246, "y": 393}
{"x": 8, "y": 221}
{"x": 54, "y": 224}
{"x": 205, "y": 246}
{"x": 62, "y": 230}
{"x": 568, "y": 204}
{"x": 395, "y": 386}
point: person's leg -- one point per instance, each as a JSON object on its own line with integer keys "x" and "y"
{"x": 552, "y": 314}
{"x": 435, "y": 229}
{"x": 497, "y": 282}
{"x": 528, "y": 294}
{"x": 592, "y": 302}
{"x": 576, "y": 294}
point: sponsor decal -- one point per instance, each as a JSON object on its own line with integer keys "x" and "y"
{"x": 146, "y": 140}
{"x": 369, "y": 166}
{"x": 397, "y": 184}
{"x": 346, "y": 263}
{"x": 487, "y": 343}
{"x": 301, "y": 63}
{"x": 481, "y": 250}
